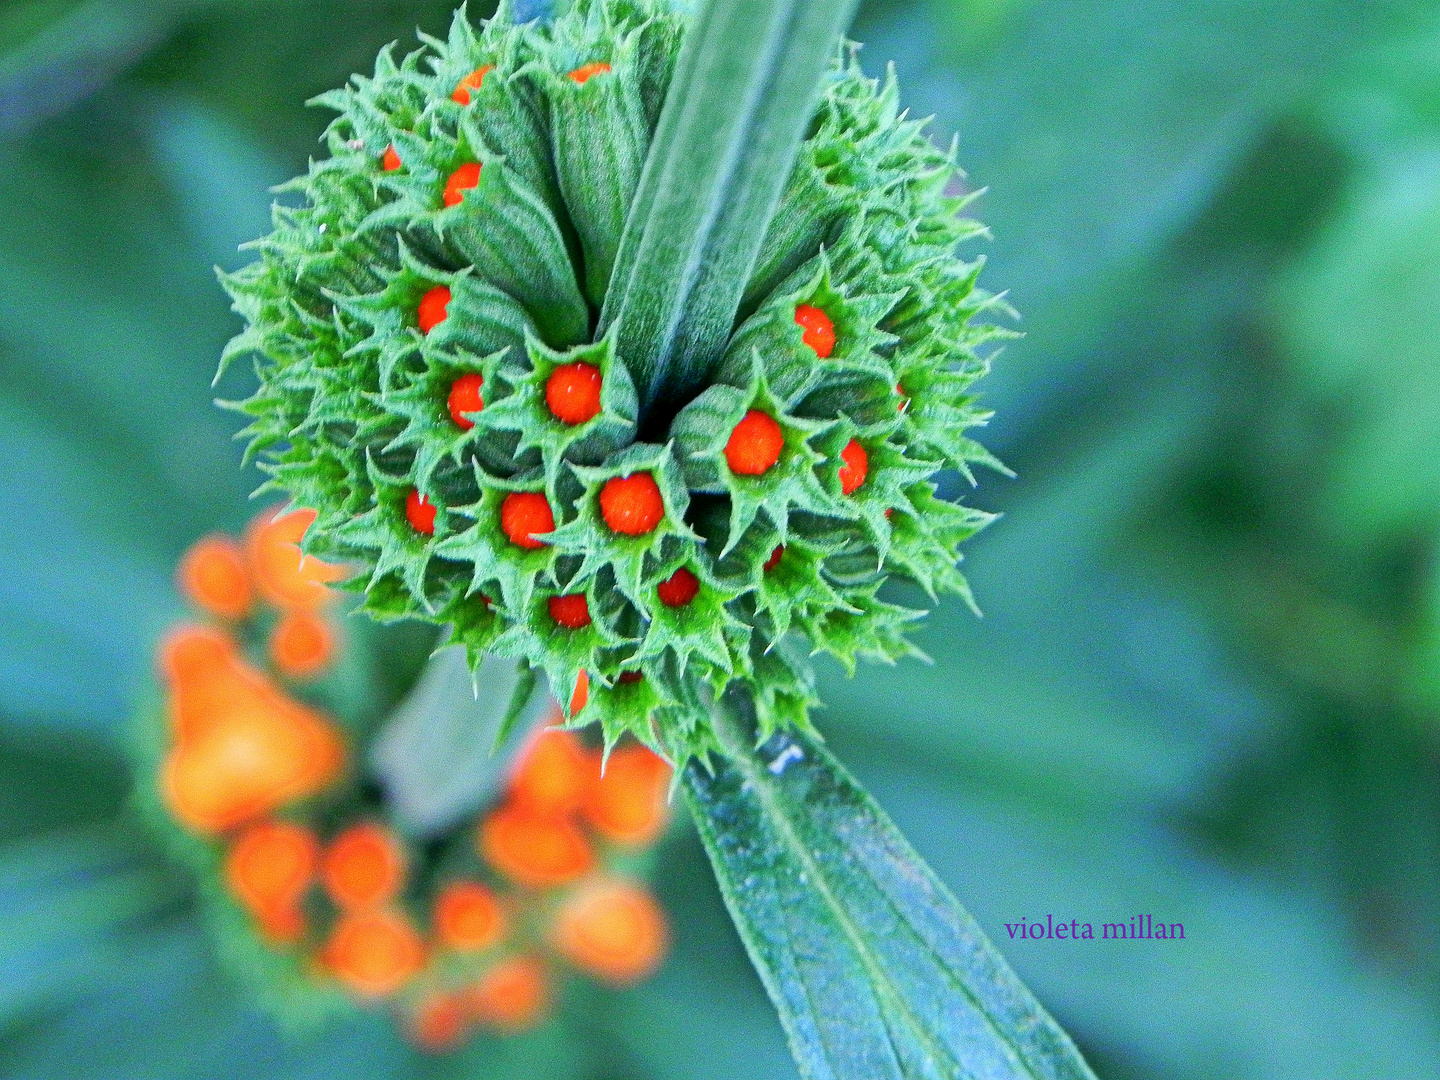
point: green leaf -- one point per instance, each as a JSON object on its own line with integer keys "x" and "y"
{"x": 442, "y": 753}
{"x": 875, "y": 969}
{"x": 744, "y": 90}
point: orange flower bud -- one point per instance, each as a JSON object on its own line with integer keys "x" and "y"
{"x": 817, "y": 330}
{"x": 193, "y": 663}
{"x": 465, "y": 397}
{"x": 522, "y": 515}
{"x": 302, "y": 644}
{"x": 468, "y": 917}
{"x": 534, "y": 850}
{"x": 439, "y": 1023}
{"x": 283, "y": 575}
{"x": 473, "y": 81}
{"x": 854, "y": 468}
{"x": 270, "y": 866}
{"x": 581, "y": 695}
{"x": 374, "y": 953}
{"x": 613, "y": 930}
{"x": 420, "y": 512}
{"x": 463, "y": 179}
{"x": 678, "y": 589}
{"x": 513, "y": 996}
{"x": 243, "y": 747}
{"x": 571, "y": 612}
{"x": 390, "y": 160}
{"x": 214, "y": 576}
{"x": 583, "y": 74}
{"x": 573, "y": 393}
{"x": 434, "y": 308}
{"x": 632, "y": 504}
{"x": 628, "y": 803}
{"x": 363, "y": 867}
{"x": 551, "y": 774}
{"x": 754, "y": 445}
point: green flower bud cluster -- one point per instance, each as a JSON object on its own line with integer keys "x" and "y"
{"x": 431, "y": 382}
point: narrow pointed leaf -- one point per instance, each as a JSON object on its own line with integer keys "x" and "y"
{"x": 877, "y": 972}
{"x": 744, "y": 90}
{"x": 447, "y": 747}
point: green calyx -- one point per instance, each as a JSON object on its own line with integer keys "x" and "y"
{"x": 406, "y": 270}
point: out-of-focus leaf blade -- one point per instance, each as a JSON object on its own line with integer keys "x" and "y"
{"x": 1377, "y": 361}
{"x": 437, "y": 755}
{"x": 1101, "y": 129}
{"x": 876, "y": 970}
{"x": 74, "y": 54}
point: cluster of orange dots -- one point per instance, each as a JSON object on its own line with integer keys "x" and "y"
{"x": 551, "y": 900}
{"x": 240, "y": 745}
{"x": 757, "y": 442}
{"x": 630, "y": 505}
{"x": 244, "y": 756}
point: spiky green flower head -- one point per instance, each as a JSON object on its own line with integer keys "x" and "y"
{"x": 433, "y": 385}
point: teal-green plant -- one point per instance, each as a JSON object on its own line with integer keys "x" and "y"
{"x": 630, "y": 346}
{"x": 498, "y": 209}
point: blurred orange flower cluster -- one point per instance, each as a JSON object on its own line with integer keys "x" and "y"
{"x": 465, "y": 933}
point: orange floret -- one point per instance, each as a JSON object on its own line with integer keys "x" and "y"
{"x": 573, "y": 393}
{"x": 534, "y": 850}
{"x": 522, "y": 515}
{"x": 200, "y": 666}
{"x": 284, "y": 576}
{"x": 302, "y": 644}
{"x": 754, "y": 445}
{"x": 583, "y": 74}
{"x": 465, "y": 397}
{"x": 628, "y": 803}
{"x": 270, "y": 867}
{"x": 439, "y": 1023}
{"x": 678, "y": 589}
{"x": 468, "y": 917}
{"x": 855, "y": 467}
{"x": 434, "y": 308}
{"x": 551, "y": 774}
{"x": 363, "y": 867}
{"x": 463, "y": 179}
{"x": 191, "y": 657}
{"x": 612, "y": 929}
{"x": 375, "y": 953}
{"x": 571, "y": 612}
{"x": 390, "y": 160}
{"x": 214, "y": 576}
{"x": 243, "y": 748}
{"x": 817, "y": 330}
{"x": 513, "y": 996}
{"x": 473, "y": 81}
{"x": 632, "y": 504}
{"x": 775, "y": 557}
{"x": 420, "y": 512}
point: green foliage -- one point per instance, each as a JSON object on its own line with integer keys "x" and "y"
{"x": 876, "y": 970}
{"x": 713, "y": 179}
{"x": 1200, "y": 711}
{"x": 350, "y": 417}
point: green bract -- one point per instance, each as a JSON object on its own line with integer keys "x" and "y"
{"x": 351, "y": 417}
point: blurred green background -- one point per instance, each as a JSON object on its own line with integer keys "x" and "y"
{"x": 1207, "y": 684}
